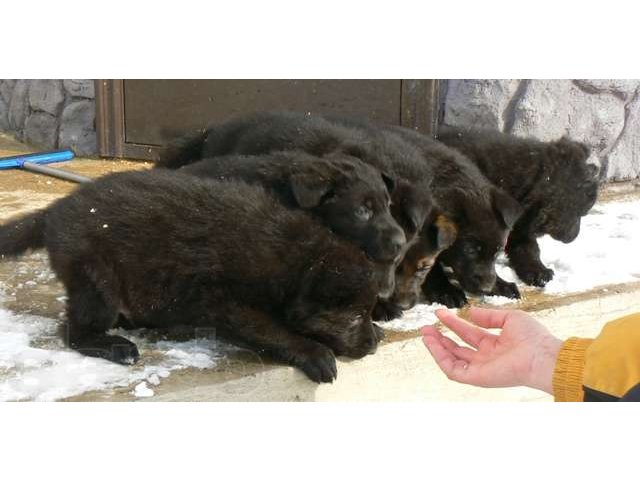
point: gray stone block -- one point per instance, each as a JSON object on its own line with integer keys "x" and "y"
{"x": 542, "y": 110}
{"x": 46, "y": 96}
{"x": 6, "y": 89}
{"x": 80, "y": 88}
{"x": 624, "y": 157}
{"x": 77, "y": 129}
{"x": 4, "y": 116}
{"x": 481, "y": 103}
{"x": 41, "y": 130}
{"x": 623, "y": 88}
{"x": 597, "y": 120}
{"x": 551, "y": 108}
{"x": 18, "y": 107}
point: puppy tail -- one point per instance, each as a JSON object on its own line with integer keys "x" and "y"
{"x": 20, "y": 235}
{"x": 183, "y": 151}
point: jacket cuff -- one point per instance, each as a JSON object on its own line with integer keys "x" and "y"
{"x": 569, "y": 370}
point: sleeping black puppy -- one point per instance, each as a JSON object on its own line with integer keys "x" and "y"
{"x": 552, "y": 181}
{"x": 225, "y": 255}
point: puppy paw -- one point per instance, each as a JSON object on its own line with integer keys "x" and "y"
{"x": 109, "y": 347}
{"x": 538, "y": 278}
{"x": 385, "y": 311}
{"x": 451, "y": 297}
{"x": 126, "y": 354}
{"x": 505, "y": 289}
{"x": 319, "y": 364}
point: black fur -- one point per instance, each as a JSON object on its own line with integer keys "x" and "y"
{"x": 264, "y": 133}
{"x": 483, "y": 214}
{"x": 552, "y": 182}
{"x": 22, "y": 234}
{"x": 417, "y": 263}
{"x": 348, "y": 195}
{"x": 211, "y": 254}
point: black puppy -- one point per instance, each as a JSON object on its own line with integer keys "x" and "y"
{"x": 349, "y": 196}
{"x": 211, "y": 254}
{"x": 552, "y": 181}
{"x": 483, "y": 214}
{"x": 416, "y": 265}
{"x": 263, "y": 133}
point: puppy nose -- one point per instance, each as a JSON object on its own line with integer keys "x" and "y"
{"x": 395, "y": 243}
{"x": 371, "y": 345}
{"x": 484, "y": 283}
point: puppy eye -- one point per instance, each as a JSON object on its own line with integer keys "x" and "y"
{"x": 363, "y": 213}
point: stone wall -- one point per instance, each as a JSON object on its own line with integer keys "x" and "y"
{"x": 605, "y": 114}
{"x": 50, "y": 114}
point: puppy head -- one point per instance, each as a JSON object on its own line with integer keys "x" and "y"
{"x": 348, "y": 333}
{"x": 484, "y": 220}
{"x": 354, "y": 201}
{"x": 438, "y": 235}
{"x": 571, "y": 189}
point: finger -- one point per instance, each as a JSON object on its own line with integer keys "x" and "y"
{"x": 488, "y": 318}
{"x": 454, "y": 368}
{"x": 429, "y": 330}
{"x": 464, "y": 353}
{"x": 467, "y": 332}
{"x": 443, "y": 358}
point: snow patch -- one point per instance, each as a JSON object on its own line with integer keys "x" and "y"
{"x": 604, "y": 253}
{"x": 35, "y": 365}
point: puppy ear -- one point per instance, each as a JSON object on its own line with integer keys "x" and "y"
{"x": 389, "y": 182}
{"x": 447, "y": 232}
{"x": 415, "y": 215}
{"x": 410, "y": 206}
{"x": 505, "y": 207}
{"x": 309, "y": 190}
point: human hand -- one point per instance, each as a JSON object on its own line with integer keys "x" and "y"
{"x": 524, "y": 353}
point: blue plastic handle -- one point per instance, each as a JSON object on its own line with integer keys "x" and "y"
{"x": 17, "y": 161}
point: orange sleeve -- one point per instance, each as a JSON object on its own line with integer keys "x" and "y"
{"x": 569, "y": 370}
{"x": 609, "y": 364}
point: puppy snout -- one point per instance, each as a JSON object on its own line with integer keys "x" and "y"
{"x": 570, "y": 235}
{"x": 387, "y": 287}
{"x": 484, "y": 283}
{"x": 371, "y": 344}
{"x": 395, "y": 242}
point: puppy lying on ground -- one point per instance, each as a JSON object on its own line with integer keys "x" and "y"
{"x": 265, "y": 133}
{"x": 341, "y": 208}
{"x": 417, "y": 263}
{"x": 212, "y": 254}
{"x": 349, "y": 196}
{"x": 482, "y": 214}
{"x": 551, "y": 180}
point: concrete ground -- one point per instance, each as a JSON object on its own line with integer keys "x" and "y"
{"x": 400, "y": 370}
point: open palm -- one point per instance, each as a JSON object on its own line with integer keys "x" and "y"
{"x": 522, "y": 353}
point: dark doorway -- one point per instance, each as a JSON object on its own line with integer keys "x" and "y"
{"x": 136, "y": 118}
